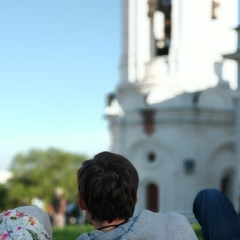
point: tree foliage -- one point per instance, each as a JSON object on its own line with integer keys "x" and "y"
{"x": 39, "y": 172}
{"x": 3, "y": 197}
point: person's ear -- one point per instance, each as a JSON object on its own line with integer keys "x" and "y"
{"x": 81, "y": 202}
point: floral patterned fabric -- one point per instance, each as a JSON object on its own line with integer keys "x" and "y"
{"x": 16, "y": 225}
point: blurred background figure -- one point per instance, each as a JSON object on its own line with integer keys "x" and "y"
{"x": 25, "y": 201}
{"x": 73, "y": 213}
{"x": 38, "y": 201}
{"x": 58, "y": 209}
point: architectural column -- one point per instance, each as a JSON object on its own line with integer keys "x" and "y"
{"x": 135, "y": 41}
{"x": 128, "y": 58}
{"x": 236, "y": 56}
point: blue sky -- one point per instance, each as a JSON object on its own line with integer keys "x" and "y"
{"x": 58, "y": 61}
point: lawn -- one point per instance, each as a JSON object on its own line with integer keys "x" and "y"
{"x": 197, "y": 228}
{"x": 71, "y": 232}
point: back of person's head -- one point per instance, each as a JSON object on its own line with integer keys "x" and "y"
{"x": 27, "y": 222}
{"x": 108, "y": 185}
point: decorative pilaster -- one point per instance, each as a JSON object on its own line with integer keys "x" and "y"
{"x": 236, "y": 56}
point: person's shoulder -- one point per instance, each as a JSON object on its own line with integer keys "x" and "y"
{"x": 180, "y": 225}
{"x": 177, "y": 219}
{"x": 83, "y": 236}
{"x": 163, "y": 218}
{"x": 175, "y": 216}
{"x": 95, "y": 234}
{"x": 169, "y": 215}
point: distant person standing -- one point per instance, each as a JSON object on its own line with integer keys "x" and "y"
{"x": 38, "y": 201}
{"x": 58, "y": 209}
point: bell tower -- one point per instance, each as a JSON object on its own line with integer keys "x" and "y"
{"x": 172, "y": 113}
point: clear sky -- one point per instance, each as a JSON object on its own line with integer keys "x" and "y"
{"x": 58, "y": 61}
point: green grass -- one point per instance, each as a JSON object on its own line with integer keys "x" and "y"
{"x": 72, "y": 232}
{"x": 197, "y": 229}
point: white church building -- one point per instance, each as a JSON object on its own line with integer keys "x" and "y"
{"x": 173, "y": 113}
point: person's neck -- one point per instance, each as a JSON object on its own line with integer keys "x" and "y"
{"x": 107, "y": 226}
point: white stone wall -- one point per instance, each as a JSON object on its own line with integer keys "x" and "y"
{"x": 210, "y": 145}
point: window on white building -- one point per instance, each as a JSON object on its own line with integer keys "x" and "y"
{"x": 152, "y": 197}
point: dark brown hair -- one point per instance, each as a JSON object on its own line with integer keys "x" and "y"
{"x": 108, "y": 184}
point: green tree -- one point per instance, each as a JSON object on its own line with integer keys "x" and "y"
{"x": 3, "y": 197}
{"x": 39, "y": 172}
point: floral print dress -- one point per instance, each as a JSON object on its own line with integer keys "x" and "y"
{"x": 16, "y": 225}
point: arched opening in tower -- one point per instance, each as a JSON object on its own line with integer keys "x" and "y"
{"x": 160, "y": 27}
